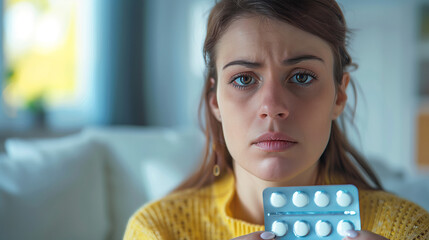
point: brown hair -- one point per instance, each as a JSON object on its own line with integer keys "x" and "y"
{"x": 322, "y": 18}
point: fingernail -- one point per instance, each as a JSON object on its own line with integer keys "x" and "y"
{"x": 267, "y": 235}
{"x": 351, "y": 233}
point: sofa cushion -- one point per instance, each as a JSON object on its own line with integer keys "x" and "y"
{"x": 53, "y": 189}
{"x": 145, "y": 164}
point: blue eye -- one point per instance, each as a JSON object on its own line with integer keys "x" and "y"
{"x": 243, "y": 81}
{"x": 303, "y": 78}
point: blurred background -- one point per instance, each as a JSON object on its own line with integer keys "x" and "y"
{"x": 70, "y": 64}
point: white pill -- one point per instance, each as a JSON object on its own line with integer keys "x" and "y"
{"x": 300, "y": 199}
{"x": 301, "y": 228}
{"x": 321, "y": 199}
{"x": 278, "y": 199}
{"x": 343, "y": 198}
{"x": 279, "y": 228}
{"x": 343, "y": 226}
{"x": 323, "y": 228}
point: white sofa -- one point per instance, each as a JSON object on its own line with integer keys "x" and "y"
{"x": 87, "y": 185}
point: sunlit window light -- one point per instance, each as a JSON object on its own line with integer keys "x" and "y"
{"x": 40, "y": 54}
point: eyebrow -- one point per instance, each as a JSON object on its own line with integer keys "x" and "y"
{"x": 289, "y": 61}
{"x": 243, "y": 63}
{"x": 298, "y": 59}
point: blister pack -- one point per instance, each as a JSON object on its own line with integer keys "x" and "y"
{"x": 311, "y": 212}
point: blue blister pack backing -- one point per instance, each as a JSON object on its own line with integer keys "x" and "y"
{"x": 311, "y": 212}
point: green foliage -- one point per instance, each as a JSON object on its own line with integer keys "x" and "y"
{"x": 36, "y": 105}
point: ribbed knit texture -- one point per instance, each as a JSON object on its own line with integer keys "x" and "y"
{"x": 205, "y": 214}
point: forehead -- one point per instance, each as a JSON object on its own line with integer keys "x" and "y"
{"x": 258, "y": 38}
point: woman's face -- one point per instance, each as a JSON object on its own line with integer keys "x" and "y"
{"x": 275, "y": 98}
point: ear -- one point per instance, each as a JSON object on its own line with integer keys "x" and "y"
{"x": 341, "y": 97}
{"x": 214, "y": 106}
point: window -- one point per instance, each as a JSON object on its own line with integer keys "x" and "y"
{"x": 40, "y": 54}
{"x": 49, "y": 58}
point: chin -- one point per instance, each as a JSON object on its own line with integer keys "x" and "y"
{"x": 276, "y": 169}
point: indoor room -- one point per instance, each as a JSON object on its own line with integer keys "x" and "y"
{"x": 99, "y": 107}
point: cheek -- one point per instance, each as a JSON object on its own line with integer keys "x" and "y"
{"x": 315, "y": 120}
{"x": 237, "y": 117}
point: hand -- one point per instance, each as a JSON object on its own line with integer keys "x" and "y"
{"x": 256, "y": 236}
{"x": 352, "y": 235}
{"x": 363, "y": 235}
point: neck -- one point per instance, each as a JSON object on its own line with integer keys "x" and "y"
{"x": 247, "y": 204}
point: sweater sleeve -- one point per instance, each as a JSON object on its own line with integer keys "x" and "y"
{"x": 416, "y": 221}
{"x": 393, "y": 217}
{"x": 136, "y": 231}
{"x": 150, "y": 222}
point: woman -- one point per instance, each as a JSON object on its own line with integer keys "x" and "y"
{"x": 275, "y": 87}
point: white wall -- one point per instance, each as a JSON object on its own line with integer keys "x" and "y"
{"x": 384, "y": 46}
{"x": 168, "y": 77}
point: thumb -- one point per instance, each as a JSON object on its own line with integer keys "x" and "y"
{"x": 261, "y": 235}
{"x": 363, "y": 235}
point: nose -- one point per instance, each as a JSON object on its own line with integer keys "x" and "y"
{"x": 273, "y": 101}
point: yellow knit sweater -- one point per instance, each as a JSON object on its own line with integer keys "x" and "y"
{"x": 205, "y": 214}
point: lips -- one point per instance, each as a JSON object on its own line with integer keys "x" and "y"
{"x": 274, "y": 142}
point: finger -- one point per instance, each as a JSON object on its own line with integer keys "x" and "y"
{"x": 363, "y": 235}
{"x": 261, "y": 235}
{"x": 267, "y": 235}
